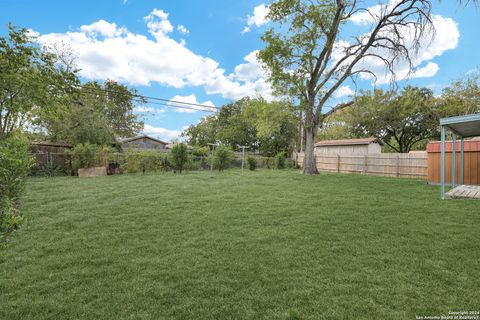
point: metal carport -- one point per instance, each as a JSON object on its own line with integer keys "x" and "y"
{"x": 462, "y": 127}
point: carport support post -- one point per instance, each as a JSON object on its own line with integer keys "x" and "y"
{"x": 462, "y": 149}
{"x": 442, "y": 165}
{"x": 454, "y": 158}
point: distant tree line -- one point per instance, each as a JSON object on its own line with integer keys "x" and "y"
{"x": 405, "y": 120}
{"x": 266, "y": 127}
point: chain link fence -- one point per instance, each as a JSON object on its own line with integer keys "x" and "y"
{"x": 60, "y": 164}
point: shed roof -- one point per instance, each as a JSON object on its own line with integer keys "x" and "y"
{"x": 346, "y": 142}
{"x": 465, "y": 126}
{"x": 52, "y": 144}
{"x": 142, "y": 137}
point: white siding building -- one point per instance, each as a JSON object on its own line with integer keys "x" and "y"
{"x": 349, "y": 146}
{"x": 144, "y": 143}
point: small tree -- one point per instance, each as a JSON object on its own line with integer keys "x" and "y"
{"x": 84, "y": 155}
{"x": 222, "y": 156}
{"x": 252, "y": 163}
{"x": 179, "y": 157}
{"x": 280, "y": 160}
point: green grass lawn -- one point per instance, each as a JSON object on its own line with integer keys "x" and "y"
{"x": 266, "y": 245}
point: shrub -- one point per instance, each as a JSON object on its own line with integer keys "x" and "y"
{"x": 252, "y": 163}
{"x": 48, "y": 170}
{"x": 144, "y": 161}
{"x": 104, "y": 155}
{"x": 222, "y": 156}
{"x": 132, "y": 162}
{"x": 15, "y": 164}
{"x": 151, "y": 160}
{"x": 267, "y": 162}
{"x": 193, "y": 163}
{"x": 84, "y": 155}
{"x": 290, "y": 164}
{"x": 179, "y": 157}
{"x": 280, "y": 160}
{"x": 200, "y": 151}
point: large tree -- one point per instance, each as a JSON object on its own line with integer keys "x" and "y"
{"x": 229, "y": 127}
{"x": 399, "y": 120}
{"x": 265, "y": 126}
{"x": 309, "y": 55}
{"x": 275, "y": 125}
{"x": 461, "y": 97}
{"x": 31, "y": 83}
{"x": 97, "y": 114}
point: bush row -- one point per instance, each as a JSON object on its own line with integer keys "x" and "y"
{"x": 180, "y": 158}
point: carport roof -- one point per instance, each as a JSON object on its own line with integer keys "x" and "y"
{"x": 466, "y": 126}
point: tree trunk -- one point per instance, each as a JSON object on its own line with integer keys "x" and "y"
{"x": 309, "y": 163}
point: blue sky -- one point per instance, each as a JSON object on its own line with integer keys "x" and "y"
{"x": 204, "y": 51}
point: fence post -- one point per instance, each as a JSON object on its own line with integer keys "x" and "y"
{"x": 365, "y": 165}
{"x": 398, "y": 166}
{"x": 338, "y": 163}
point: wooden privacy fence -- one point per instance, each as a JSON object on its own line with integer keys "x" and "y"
{"x": 471, "y": 162}
{"x": 404, "y": 165}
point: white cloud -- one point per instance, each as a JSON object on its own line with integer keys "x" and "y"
{"x": 161, "y": 133}
{"x": 248, "y": 79}
{"x": 191, "y": 108}
{"x": 102, "y": 28}
{"x": 107, "y": 51}
{"x": 251, "y": 70}
{"x": 182, "y": 29}
{"x": 427, "y": 71}
{"x": 473, "y": 71}
{"x": 446, "y": 38}
{"x": 343, "y": 91}
{"x": 158, "y": 23}
{"x": 143, "y": 109}
{"x": 258, "y": 18}
{"x": 373, "y": 13}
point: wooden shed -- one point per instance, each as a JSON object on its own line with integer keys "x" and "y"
{"x": 49, "y": 147}
{"x": 51, "y": 156}
{"x": 471, "y": 162}
{"x": 143, "y": 143}
{"x": 349, "y": 146}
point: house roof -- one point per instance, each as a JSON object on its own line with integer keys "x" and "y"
{"x": 52, "y": 144}
{"x": 346, "y": 142}
{"x": 143, "y": 137}
{"x": 465, "y": 126}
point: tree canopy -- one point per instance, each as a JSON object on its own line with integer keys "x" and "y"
{"x": 268, "y": 127}
{"x": 32, "y": 86}
{"x": 399, "y": 120}
{"x": 403, "y": 120}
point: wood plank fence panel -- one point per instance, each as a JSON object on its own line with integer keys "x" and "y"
{"x": 409, "y": 165}
{"x": 471, "y": 162}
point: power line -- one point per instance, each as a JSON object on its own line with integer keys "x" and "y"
{"x": 173, "y": 106}
{"x": 174, "y": 103}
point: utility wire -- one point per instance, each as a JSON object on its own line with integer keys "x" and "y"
{"x": 173, "y": 103}
{"x": 174, "y": 106}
